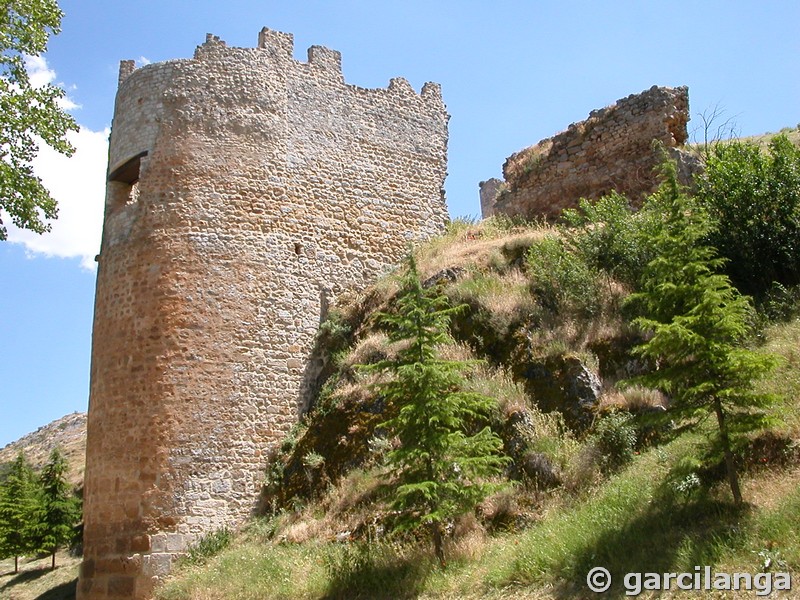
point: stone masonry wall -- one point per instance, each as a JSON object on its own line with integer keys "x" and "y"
{"x": 246, "y": 190}
{"x": 611, "y": 150}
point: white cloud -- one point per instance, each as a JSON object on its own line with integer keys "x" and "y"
{"x": 142, "y": 61}
{"x": 41, "y": 74}
{"x": 78, "y": 185}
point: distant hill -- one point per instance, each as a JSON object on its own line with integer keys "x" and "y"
{"x": 68, "y": 432}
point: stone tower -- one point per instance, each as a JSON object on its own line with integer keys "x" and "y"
{"x": 245, "y": 190}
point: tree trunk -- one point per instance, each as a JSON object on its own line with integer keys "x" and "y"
{"x": 730, "y": 465}
{"x": 438, "y": 543}
{"x": 16, "y": 564}
{"x": 53, "y": 564}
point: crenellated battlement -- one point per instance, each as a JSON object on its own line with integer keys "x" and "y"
{"x": 276, "y": 41}
{"x": 279, "y": 47}
{"x": 246, "y": 190}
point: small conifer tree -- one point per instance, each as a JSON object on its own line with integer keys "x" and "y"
{"x": 442, "y": 466}
{"x": 59, "y": 509}
{"x": 697, "y": 321}
{"x": 17, "y": 511}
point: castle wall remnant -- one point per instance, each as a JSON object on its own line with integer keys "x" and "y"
{"x": 246, "y": 189}
{"x": 611, "y": 150}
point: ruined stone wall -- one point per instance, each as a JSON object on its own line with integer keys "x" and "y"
{"x": 611, "y": 150}
{"x": 246, "y": 190}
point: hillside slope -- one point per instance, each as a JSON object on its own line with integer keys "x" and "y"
{"x": 593, "y": 478}
{"x": 67, "y": 433}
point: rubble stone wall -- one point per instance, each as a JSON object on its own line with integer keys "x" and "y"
{"x": 611, "y": 150}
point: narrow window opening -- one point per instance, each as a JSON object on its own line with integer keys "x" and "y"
{"x": 124, "y": 183}
{"x": 129, "y": 171}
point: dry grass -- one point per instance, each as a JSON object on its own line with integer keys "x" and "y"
{"x": 348, "y": 507}
{"x": 793, "y": 133}
{"x": 500, "y": 293}
{"x": 765, "y": 490}
{"x": 373, "y": 347}
{"x": 479, "y": 245}
{"x": 633, "y": 399}
{"x": 510, "y": 396}
{"x": 35, "y": 580}
{"x": 457, "y": 352}
{"x": 525, "y": 161}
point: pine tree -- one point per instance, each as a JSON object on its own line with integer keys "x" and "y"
{"x": 59, "y": 509}
{"x": 697, "y": 321}
{"x": 17, "y": 511}
{"x": 441, "y": 466}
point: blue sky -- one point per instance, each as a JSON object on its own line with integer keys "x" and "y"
{"x": 512, "y": 73}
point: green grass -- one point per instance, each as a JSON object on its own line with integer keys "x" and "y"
{"x": 597, "y": 532}
{"x": 783, "y": 339}
{"x": 251, "y": 571}
{"x": 634, "y": 522}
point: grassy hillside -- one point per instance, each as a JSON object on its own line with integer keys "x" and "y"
{"x": 580, "y": 498}
{"x": 67, "y": 433}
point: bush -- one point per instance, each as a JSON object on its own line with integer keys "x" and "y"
{"x": 615, "y": 438}
{"x": 780, "y": 303}
{"x": 209, "y": 546}
{"x": 561, "y": 280}
{"x": 613, "y": 238}
{"x": 754, "y": 197}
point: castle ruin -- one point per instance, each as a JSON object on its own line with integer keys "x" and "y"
{"x": 246, "y": 189}
{"x": 611, "y": 150}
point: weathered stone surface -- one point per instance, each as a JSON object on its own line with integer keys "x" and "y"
{"x": 611, "y": 150}
{"x": 246, "y": 190}
{"x": 489, "y": 192}
{"x": 561, "y": 382}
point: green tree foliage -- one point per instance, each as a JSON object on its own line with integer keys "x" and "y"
{"x": 28, "y": 114}
{"x": 59, "y": 509}
{"x": 754, "y": 197}
{"x": 696, "y": 321}
{"x": 445, "y": 456}
{"x": 561, "y": 280}
{"x": 613, "y": 238}
{"x": 17, "y": 511}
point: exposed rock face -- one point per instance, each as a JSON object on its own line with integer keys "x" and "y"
{"x": 563, "y": 383}
{"x": 246, "y": 190}
{"x": 611, "y": 150}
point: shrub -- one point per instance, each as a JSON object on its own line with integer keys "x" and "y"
{"x": 611, "y": 237}
{"x": 780, "y": 303}
{"x": 561, "y": 279}
{"x": 209, "y": 546}
{"x": 335, "y": 332}
{"x": 754, "y": 197}
{"x": 615, "y": 438}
